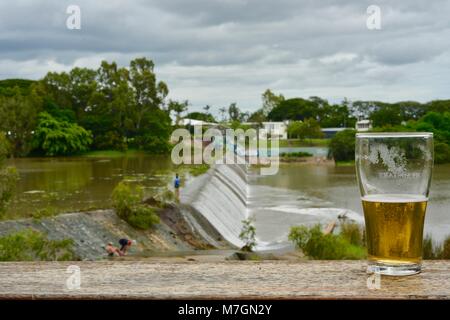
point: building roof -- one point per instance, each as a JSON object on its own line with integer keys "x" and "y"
{"x": 195, "y": 122}
{"x": 334, "y": 129}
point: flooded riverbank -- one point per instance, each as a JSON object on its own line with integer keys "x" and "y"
{"x": 298, "y": 194}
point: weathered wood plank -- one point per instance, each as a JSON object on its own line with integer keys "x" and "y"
{"x": 218, "y": 280}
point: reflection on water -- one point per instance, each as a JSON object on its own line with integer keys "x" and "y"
{"x": 76, "y": 183}
{"x": 335, "y": 187}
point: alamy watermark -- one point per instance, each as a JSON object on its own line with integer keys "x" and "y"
{"x": 73, "y": 282}
{"x": 227, "y": 146}
{"x": 73, "y": 21}
{"x": 374, "y": 282}
{"x": 373, "y": 21}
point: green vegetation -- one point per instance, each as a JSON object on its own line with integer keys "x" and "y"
{"x": 8, "y": 176}
{"x": 432, "y": 250}
{"x": 19, "y": 115}
{"x": 110, "y": 108}
{"x": 198, "y": 169}
{"x": 201, "y": 116}
{"x": 294, "y": 143}
{"x": 55, "y": 137}
{"x": 112, "y": 153}
{"x": 342, "y": 146}
{"x": 45, "y": 212}
{"x": 127, "y": 200}
{"x": 295, "y": 154}
{"x": 308, "y": 128}
{"x": 349, "y": 243}
{"x": 313, "y": 108}
{"x": 247, "y": 235}
{"x": 8, "y": 86}
{"x": 30, "y": 245}
{"x": 317, "y": 245}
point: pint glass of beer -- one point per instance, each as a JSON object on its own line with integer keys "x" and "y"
{"x": 394, "y": 175}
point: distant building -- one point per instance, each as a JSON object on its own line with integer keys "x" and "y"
{"x": 331, "y": 132}
{"x": 275, "y": 128}
{"x": 363, "y": 125}
{"x": 194, "y": 122}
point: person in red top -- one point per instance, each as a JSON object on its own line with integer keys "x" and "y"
{"x": 125, "y": 244}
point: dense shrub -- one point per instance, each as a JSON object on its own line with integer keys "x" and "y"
{"x": 317, "y": 245}
{"x": 353, "y": 233}
{"x": 430, "y": 250}
{"x": 127, "y": 200}
{"x": 8, "y": 176}
{"x": 342, "y": 146}
{"x": 299, "y": 154}
{"x": 445, "y": 251}
{"x": 248, "y": 235}
{"x": 29, "y": 245}
{"x": 441, "y": 152}
{"x": 58, "y": 137}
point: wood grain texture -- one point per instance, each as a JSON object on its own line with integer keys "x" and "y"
{"x": 218, "y": 280}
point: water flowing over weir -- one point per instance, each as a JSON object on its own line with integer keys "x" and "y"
{"x": 220, "y": 196}
{"x": 219, "y": 200}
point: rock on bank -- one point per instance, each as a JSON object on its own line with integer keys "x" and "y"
{"x": 91, "y": 231}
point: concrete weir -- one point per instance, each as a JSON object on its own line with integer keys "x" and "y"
{"x": 220, "y": 198}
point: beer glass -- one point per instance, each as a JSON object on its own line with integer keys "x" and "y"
{"x": 394, "y": 175}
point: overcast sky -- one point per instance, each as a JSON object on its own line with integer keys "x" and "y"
{"x": 221, "y": 51}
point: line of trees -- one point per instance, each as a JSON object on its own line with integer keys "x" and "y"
{"x": 70, "y": 112}
{"x": 117, "y": 108}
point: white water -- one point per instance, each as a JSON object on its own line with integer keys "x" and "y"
{"x": 225, "y": 197}
{"x": 221, "y": 197}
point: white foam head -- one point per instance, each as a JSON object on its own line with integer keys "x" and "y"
{"x": 395, "y": 198}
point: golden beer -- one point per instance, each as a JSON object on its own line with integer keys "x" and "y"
{"x": 394, "y": 227}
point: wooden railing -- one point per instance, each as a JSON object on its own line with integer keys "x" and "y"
{"x": 217, "y": 280}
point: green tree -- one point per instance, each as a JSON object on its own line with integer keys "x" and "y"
{"x": 18, "y": 114}
{"x": 154, "y": 136}
{"x": 258, "y": 117}
{"x": 234, "y": 112}
{"x": 8, "y": 175}
{"x": 178, "y": 108}
{"x": 8, "y": 87}
{"x": 309, "y": 128}
{"x": 55, "y": 137}
{"x": 118, "y": 105}
{"x": 223, "y": 112}
{"x": 386, "y": 115}
{"x": 342, "y": 145}
{"x": 148, "y": 93}
{"x": 270, "y": 101}
{"x": 294, "y": 109}
{"x": 201, "y": 116}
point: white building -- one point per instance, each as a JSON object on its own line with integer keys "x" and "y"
{"x": 331, "y": 132}
{"x": 194, "y": 122}
{"x": 275, "y": 128}
{"x": 363, "y": 125}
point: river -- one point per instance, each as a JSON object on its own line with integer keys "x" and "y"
{"x": 299, "y": 193}
{"x": 318, "y": 193}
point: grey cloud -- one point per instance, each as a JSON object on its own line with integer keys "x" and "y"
{"x": 219, "y": 51}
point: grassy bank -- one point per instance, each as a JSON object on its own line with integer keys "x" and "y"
{"x": 350, "y": 163}
{"x": 294, "y": 143}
